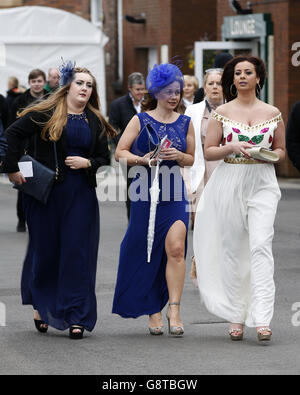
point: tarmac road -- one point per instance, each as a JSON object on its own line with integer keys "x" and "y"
{"x": 125, "y": 347}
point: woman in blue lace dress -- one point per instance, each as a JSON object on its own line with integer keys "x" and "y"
{"x": 59, "y": 271}
{"x": 144, "y": 288}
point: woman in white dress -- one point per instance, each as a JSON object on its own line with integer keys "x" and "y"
{"x": 234, "y": 222}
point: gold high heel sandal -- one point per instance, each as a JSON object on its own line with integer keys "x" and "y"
{"x": 264, "y": 334}
{"x": 176, "y": 331}
{"x": 236, "y": 334}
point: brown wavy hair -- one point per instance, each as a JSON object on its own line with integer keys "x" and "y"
{"x": 228, "y": 74}
{"x": 56, "y": 104}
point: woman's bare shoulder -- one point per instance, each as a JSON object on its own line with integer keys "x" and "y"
{"x": 270, "y": 111}
{"x": 224, "y": 109}
{"x": 134, "y": 120}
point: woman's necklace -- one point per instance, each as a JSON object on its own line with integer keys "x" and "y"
{"x": 162, "y": 119}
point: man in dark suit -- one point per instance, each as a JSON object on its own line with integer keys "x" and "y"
{"x": 293, "y": 136}
{"x": 124, "y": 108}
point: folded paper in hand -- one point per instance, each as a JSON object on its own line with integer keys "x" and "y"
{"x": 264, "y": 154}
{"x": 26, "y": 169}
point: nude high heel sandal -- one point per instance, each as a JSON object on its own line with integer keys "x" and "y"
{"x": 176, "y": 331}
{"x": 156, "y": 331}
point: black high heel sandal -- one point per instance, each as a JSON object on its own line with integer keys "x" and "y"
{"x": 76, "y": 335}
{"x": 39, "y": 327}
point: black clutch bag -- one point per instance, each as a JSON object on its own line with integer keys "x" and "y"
{"x": 39, "y": 186}
{"x": 146, "y": 141}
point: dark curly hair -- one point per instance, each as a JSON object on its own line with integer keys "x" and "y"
{"x": 228, "y": 74}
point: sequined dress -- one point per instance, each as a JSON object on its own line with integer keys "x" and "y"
{"x": 59, "y": 270}
{"x": 141, "y": 287}
{"x": 233, "y": 231}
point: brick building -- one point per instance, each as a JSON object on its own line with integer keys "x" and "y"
{"x": 79, "y": 7}
{"x": 171, "y": 28}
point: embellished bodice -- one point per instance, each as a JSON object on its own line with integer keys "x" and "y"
{"x": 176, "y": 131}
{"x": 261, "y": 134}
{"x": 78, "y": 135}
{"x": 171, "y": 183}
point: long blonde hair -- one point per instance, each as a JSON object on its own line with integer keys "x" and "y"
{"x": 57, "y": 103}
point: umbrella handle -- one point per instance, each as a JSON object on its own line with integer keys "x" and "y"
{"x": 149, "y": 163}
{"x": 153, "y": 219}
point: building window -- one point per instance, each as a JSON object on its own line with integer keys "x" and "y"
{"x": 96, "y": 12}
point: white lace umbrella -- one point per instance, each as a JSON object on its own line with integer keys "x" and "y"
{"x": 154, "y": 194}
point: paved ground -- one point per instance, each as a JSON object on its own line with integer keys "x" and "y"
{"x": 119, "y": 346}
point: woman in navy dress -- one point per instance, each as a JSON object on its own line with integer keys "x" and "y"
{"x": 144, "y": 288}
{"x": 59, "y": 270}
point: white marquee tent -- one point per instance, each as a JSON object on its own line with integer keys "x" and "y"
{"x": 38, "y": 37}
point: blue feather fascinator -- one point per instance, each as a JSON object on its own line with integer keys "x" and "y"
{"x": 163, "y": 75}
{"x": 66, "y": 72}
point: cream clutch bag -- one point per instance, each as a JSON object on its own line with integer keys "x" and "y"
{"x": 264, "y": 154}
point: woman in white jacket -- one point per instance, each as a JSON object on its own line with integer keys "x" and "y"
{"x": 200, "y": 114}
